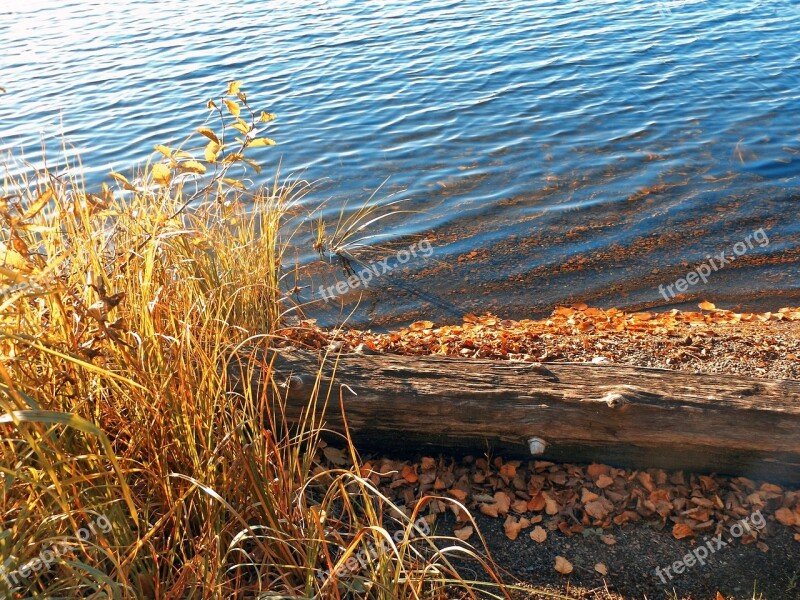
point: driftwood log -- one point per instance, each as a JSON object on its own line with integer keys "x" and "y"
{"x": 572, "y": 412}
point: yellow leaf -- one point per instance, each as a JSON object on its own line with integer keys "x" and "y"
{"x": 38, "y": 204}
{"x": 563, "y": 566}
{"x": 193, "y": 166}
{"x": 2, "y": 90}
{"x": 234, "y": 183}
{"x": 258, "y": 142}
{"x": 253, "y": 164}
{"x": 210, "y": 104}
{"x": 208, "y": 133}
{"x": 124, "y": 181}
{"x": 233, "y": 157}
{"x": 14, "y": 276}
{"x": 233, "y": 108}
{"x": 161, "y": 174}
{"x": 707, "y": 306}
{"x": 245, "y": 129}
{"x": 211, "y": 152}
{"x": 181, "y": 154}
{"x": 233, "y": 87}
{"x": 267, "y": 117}
{"x": 165, "y": 150}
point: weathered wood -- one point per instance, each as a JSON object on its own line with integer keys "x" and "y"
{"x": 626, "y": 416}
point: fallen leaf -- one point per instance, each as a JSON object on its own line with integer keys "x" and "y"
{"x": 594, "y": 471}
{"x": 786, "y": 516}
{"x": 539, "y": 534}
{"x": 519, "y": 506}
{"x": 563, "y": 566}
{"x": 335, "y": 455}
{"x": 598, "y": 509}
{"x": 458, "y": 494}
{"x": 536, "y": 503}
{"x": 608, "y": 539}
{"x": 511, "y": 527}
{"x": 464, "y": 533}
{"x": 503, "y": 502}
{"x": 601, "y": 568}
{"x": 604, "y": 481}
{"x": 551, "y": 506}
{"x": 680, "y": 531}
{"x": 420, "y": 325}
{"x": 409, "y": 474}
{"x": 705, "y": 305}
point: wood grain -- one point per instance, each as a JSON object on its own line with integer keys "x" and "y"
{"x": 620, "y": 415}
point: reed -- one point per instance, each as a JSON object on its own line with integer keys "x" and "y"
{"x": 124, "y": 310}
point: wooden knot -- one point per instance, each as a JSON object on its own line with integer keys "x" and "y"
{"x": 618, "y": 397}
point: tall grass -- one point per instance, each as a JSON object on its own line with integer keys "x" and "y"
{"x": 122, "y": 317}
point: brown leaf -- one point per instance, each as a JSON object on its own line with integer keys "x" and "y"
{"x": 409, "y": 474}
{"x": 335, "y": 456}
{"x": 594, "y": 471}
{"x": 706, "y": 305}
{"x": 563, "y": 566}
{"x": 519, "y": 506}
{"x": 420, "y": 325}
{"x": 511, "y": 527}
{"x": 458, "y": 494}
{"x": 608, "y": 539}
{"x": 786, "y": 516}
{"x": 598, "y": 509}
{"x": 538, "y": 534}
{"x": 551, "y": 506}
{"x": 680, "y": 531}
{"x": 604, "y": 481}
{"x": 503, "y": 502}
{"x": 536, "y": 503}
{"x": 601, "y": 568}
{"x": 464, "y": 533}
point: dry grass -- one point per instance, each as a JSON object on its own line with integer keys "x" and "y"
{"x": 120, "y": 313}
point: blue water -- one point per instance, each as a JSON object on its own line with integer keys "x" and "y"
{"x": 584, "y": 151}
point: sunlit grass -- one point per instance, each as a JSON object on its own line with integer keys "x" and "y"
{"x": 126, "y": 317}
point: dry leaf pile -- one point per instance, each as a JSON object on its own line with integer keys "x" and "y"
{"x": 536, "y": 498}
{"x": 713, "y": 340}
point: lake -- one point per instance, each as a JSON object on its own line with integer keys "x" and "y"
{"x": 548, "y": 152}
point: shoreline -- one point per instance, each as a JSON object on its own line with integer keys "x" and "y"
{"x": 711, "y": 340}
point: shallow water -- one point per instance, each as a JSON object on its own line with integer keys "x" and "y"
{"x": 551, "y": 152}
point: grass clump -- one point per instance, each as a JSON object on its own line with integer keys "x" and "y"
{"x": 124, "y": 317}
